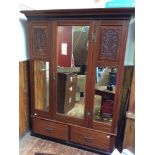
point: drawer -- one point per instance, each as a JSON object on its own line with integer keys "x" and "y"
{"x": 50, "y": 129}
{"x": 92, "y": 138}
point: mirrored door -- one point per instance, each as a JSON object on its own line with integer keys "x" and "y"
{"x": 41, "y": 86}
{"x": 104, "y": 97}
{"x": 72, "y": 48}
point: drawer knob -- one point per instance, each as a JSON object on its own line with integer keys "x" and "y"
{"x": 35, "y": 114}
{"x": 108, "y": 136}
{"x": 49, "y": 129}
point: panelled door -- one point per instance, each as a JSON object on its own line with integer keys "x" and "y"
{"x": 40, "y": 66}
{"x": 73, "y": 55}
{"x": 108, "y": 60}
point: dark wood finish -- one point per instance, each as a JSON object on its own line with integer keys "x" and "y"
{"x": 109, "y": 36}
{"x": 104, "y": 25}
{"x": 50, "y": 129}
{"x": 58, "y": 142}
{"x": 66, "y": 97}
{"x": 117, "y": 62}
{"x": 119, "y": 80}
{"x": 102, "y": 126}
{"x": 91, "y": 138}
{"x": 24, "y": 98}
{"x": 70, "y": 120}
{"x": 40, "y": 39}
{"x": 95, "y": 13}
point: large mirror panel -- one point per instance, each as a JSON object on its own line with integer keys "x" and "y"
{"x": 104, "y": 93}
{"x": 41, "y": 85}
{"x": 72, "y": 50}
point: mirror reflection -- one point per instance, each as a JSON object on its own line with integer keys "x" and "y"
{"x": 41, "y": 85}
{"x": 104, "y": 93}
{"x": 72, "y": 49}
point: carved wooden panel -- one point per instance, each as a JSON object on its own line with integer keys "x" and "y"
{"x": 109, "y": 42}
{"x": 40, "y": 40}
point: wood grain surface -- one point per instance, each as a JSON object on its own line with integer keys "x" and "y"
{"x": 23, "y": 98}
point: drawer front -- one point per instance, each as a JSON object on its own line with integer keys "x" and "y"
{"x": 50, "y": 129}
{"x": 91, "y": 138}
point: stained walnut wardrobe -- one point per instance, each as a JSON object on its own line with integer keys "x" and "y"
{"x": 76, "y": 67}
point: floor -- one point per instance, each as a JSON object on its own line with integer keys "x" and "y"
{"x": 78, "y": 109}
{"x": 28, "y": 145}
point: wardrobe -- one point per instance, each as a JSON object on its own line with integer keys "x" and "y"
{"x": 76, "y": 69}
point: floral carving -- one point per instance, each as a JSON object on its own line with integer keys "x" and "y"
{"x": 109, "y": 43}
{"x": 39, "y": 38}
